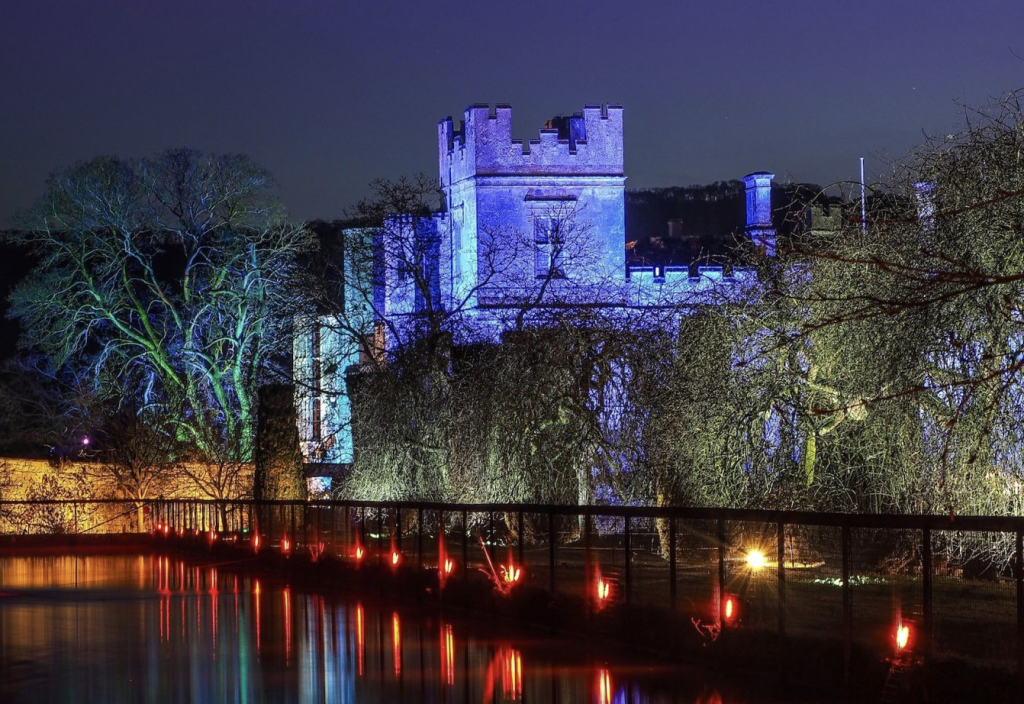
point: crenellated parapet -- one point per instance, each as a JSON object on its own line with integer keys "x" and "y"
{"x": 586, "y": 143}
{"x": 675, "y": 285}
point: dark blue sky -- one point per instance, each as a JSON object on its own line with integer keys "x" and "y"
{"x": 331, "y": 94}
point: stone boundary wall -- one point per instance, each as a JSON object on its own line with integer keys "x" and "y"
{"x": 26, "y": 475}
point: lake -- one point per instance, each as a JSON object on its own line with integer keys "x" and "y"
{"x": 156, "y": 628}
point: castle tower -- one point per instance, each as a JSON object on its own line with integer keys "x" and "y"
{"x": 510, "y": 206}
{"x": 759, "y": 210}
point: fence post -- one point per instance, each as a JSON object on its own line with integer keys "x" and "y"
{"x": 587, "y": 564}
{"x": 398, "y": 529}
{"x": 294, "y": 537}
{"x": 781, "y": 536}
{"x": 721, "y": 569}
{"x": 465, "y": 543}
{"x": 521, "y": 526}
{"x": 926, "y": 583}
{"x": 419, "y": 538}
{"x": 1019, "y": 575}
{"x": 672, "y": 561}
{"x": 551, "y": 548}
{"x": 847, "y": 603}
{"x": 627, "y": 545}
{"x": 442, "y": 538}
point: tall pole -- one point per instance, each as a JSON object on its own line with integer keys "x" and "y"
{"x": 863, "y": 202}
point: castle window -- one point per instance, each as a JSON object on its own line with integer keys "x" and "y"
{"x": 317, "y": 420}
{"x": 457, "y": 249}
{"x": 548, "y": 247}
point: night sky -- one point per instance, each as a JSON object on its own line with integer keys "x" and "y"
{"x": 329, "y": 95}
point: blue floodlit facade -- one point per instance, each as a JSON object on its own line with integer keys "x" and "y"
{"x": 523, "y": 226}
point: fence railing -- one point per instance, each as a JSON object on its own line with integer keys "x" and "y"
{"x": 897, "y": 586}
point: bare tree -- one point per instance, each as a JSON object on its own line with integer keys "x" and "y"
{"x": 175, "y": 274}
{"x": 137, "y": 457}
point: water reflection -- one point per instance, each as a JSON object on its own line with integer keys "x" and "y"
{"x": 157, "y": 629}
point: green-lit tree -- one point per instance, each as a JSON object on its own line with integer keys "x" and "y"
{"x": 175, "y": 275}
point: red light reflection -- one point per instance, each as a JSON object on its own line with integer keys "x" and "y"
{"x": 396, "y": 643}
{"x": 447, "y": 655}
{"x": 604, "y": 687}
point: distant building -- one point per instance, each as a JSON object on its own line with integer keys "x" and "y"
{"x": 536, "y": 225}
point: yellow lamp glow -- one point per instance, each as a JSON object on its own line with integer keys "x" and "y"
{"x": 756, "y": 559}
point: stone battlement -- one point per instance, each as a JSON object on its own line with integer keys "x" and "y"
{"x": 661, "y": 285}
{"x": 584, "y": 144}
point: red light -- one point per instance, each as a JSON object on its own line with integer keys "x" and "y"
{"x": 395, "y": 557}
{"x": 396, "y": 644}
{"x": 256, "y": 542}
{"x": 360, "y": 638}
{"x": 729, "y": 608}
{"x": 604, "y": 687}
{"x": 902, "y": 636}
{"x": 359, "y": 552}
{"x": 511, "y": 573}
{"x": 449, "y": 565}
{"x": 286, "y": 545}
{"x": 448, "y": 655}
{"x": 604, "y": 589}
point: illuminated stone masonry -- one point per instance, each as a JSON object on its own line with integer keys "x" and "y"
{"x": 539, "y": 224}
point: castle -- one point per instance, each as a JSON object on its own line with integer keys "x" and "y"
{"x": 523, "y": 227}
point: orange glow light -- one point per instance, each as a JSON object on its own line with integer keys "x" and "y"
{"x": 360, "y": 638}
{"x": 359, "y": 552}
{"x": 512, "y": 674}
{"x": 756, "y": 560}
{"x": 395, "y": 557}
{"x": 449, "y": 565}
{"x": 729, "y": 610}
{"x": 604, "y": 687}
{"x": 604, "y": 589}
{"x": 511, "y": 573}
{"x": 287, "y": 625}
{"x": 902, "y": 636}
{"x": 448, "y": 655}
{"x": 256, "y": 542}
{"x": 396, "y": 643}
{"x": 286, "y": 544}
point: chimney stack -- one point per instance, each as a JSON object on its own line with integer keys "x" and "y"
{"x": 759, "y": 210}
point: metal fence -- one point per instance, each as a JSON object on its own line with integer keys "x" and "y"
{"x": 887, "y": 585}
